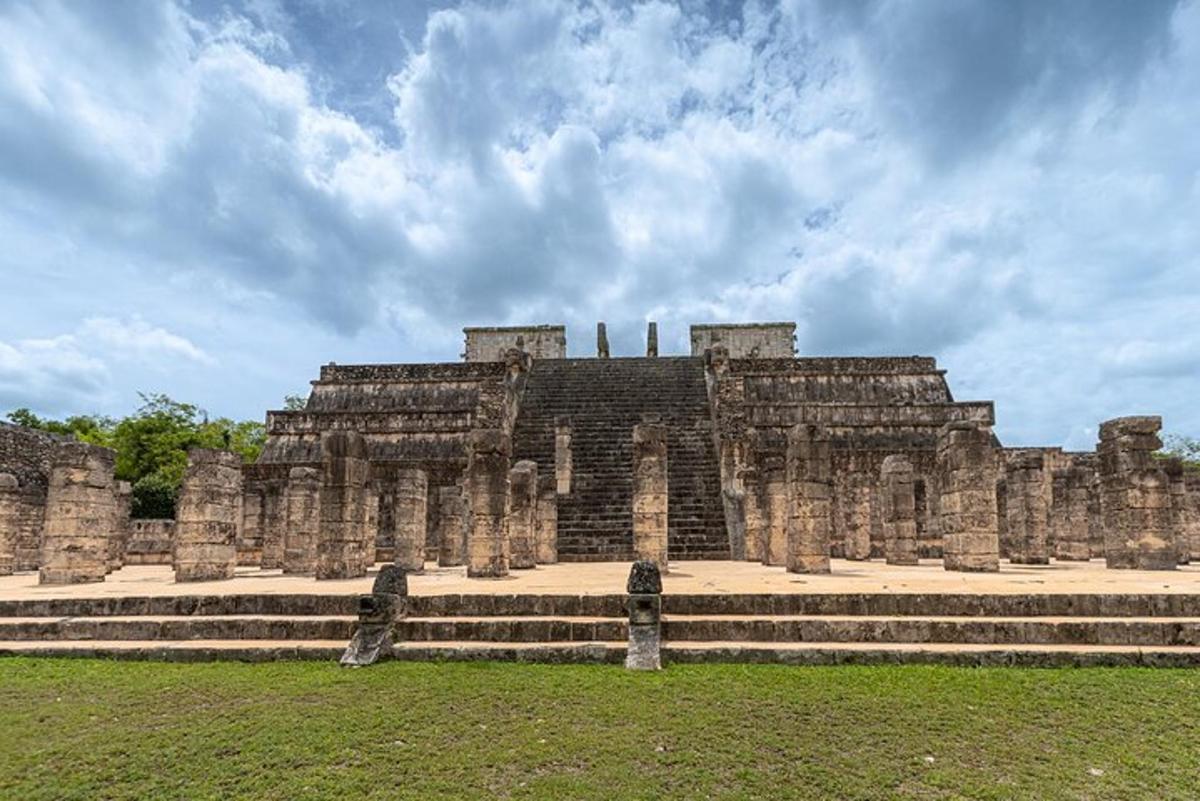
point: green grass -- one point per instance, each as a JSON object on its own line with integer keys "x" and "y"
{"x": 113, "y": 730}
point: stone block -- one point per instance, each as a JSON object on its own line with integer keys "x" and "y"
{"x": 208, "y": 516}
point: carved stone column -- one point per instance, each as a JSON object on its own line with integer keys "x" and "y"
{"x": 208, "y": 516}
{"x": 302, "y": 513}
{"x": 547, "y": 521}
{"x": 1137, "y": 498}
{"x": 775, "y": 510}
{"x": 274, "y": 522}
{"x": 80, "y": 508}
{"x": 487, "y": 488}
{"x": 452, "y": 527}
{"x": 857, "y": 510}
{"x": 378, "y": 614}
{"x": 1180, "y": 511}
{"x": 563, "y": 460}
{"x": 123, "y": 494}
{"x": 967, "y": 503}
{"x": 412, "y": 493}
{"x": 650, "y": 496}
{"x": 898, "y": 511}
{"x": 345, "y": 548}
{"x": 753, "y": 503}
{"x": 810, "y": 502}
{"x": 601, "y": 341}
{"x": 652, "y": 339}
{"x": 521, "y": 515}
{"x": 1025, "y": 509}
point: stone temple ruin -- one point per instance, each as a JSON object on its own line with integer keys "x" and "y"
{"x": 741, "y": 450}
{"x": 520, "y": 456}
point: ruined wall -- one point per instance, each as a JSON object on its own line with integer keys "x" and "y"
{"x": 540, "y": 341}
{"x": 151, "y": 542}
{"x": 746, "y": 340}
{"x": 26, "y": 454}
{"x": 871, "y": 407}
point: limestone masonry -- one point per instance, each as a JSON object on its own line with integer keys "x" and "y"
{"x": 521, "y": 455}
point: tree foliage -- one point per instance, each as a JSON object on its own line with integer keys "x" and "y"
{"x": 1186, "y": 448}
{"x": 152, "y": 444}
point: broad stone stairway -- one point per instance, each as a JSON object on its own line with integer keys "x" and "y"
{"x": 967, "y": 629}
{"x": 604, "y": 399}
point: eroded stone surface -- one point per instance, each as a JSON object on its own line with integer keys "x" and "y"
{"x": 1136, "y": 500}
{"x": 411, "y": 490}
{"x": 1025, "y": 510}
{"x": 650, "y": 493}
{"x": 899, "y": 511}
{"x": 967, "y": 467}
{"x": 302, "y": 501}
{"x": 207, "y": 516}
{"x": 521, "y": 515}
{"x": 487, "y": 489}
{"x": 344, "y": 544}
{"x": 452, "y": 526}
{"x": 547, "y": 521}
{"x": 810, "y": 508}
{"x": 80, "y": 510}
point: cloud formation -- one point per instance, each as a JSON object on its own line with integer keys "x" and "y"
{"x": 1009, "y": 186}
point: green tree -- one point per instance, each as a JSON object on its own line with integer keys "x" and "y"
{"x": 1186, "y": 448}
{"x": 294, "y": 403}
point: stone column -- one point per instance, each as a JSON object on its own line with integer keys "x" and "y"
{"x": 411, "y": 493}
{"x": 1136, "y": 496}
{"x": 775, "y": 510}
{"x": 1192, "y": 524}
{"x": 487, "y": 490}
{"x": 521, "y": 515}
{"x": 123, "y": 495}
{"x": 1025, "y": 509}
{"x": 344, "y": 547}
{"x": 9, "y": 511}
{"x": 601, "y": 341}
{"x": 452, "y": 527}
{"x": 898, "y": 511}
{"x": 249, "y": 545}
{"x": 1173, "y": 467}
{"x": 645, "y": 616}
{"x": 753, "y": 505}
{"x": 547, "y": 521}
{"x": 650, "y": 496}
{"x": 302, "y": 514}
{"x": 208, "y": 515}
{"x": 652, "y": 339}
{"x": 274, "y": 519}
{"x": 80, "y": 508}
{"x": 562, "y": 454}
{"x": 810, "y": 512}
{"x": 857, "y": 510}
{"x": 1070, "y": 504}
{"x": 967, "y": 503}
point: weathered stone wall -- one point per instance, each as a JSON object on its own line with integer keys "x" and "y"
{"x": 1180, "y": 507}
{"x": 871, "y": 407}
{"x": 345, "y": 547}
{"x": 208, "y": 516}
{"x": 80, "y": 512}
{"x": 26, "y": 454}
{"x": 9, "y": 500}
{"x": 26, "y": 511}
{"x": 151, "y": 542}
{"x": 650, "y": 493}
{"x": 967, "y": 476}
{"x": 754, "y": 505}
{"x": 411, "y": 511}
{"x": 898, "y": 511}
{"x": 853, "y": 525}
{"x": 563, "y": 458}
{"x": 487, "y": 491}
{"x": 1026, "y": 510}
{"x": 1192, "y": 521}
{"x": 521, "y": 515}
{"x": 1136, "y": 501}
{"x": 547, "y": 520}
{"x": 747, "y": 340}
{"x": 539, "y": 341}
{"x": 810, "y": 507}
{"x": 775, "y": 508}
{"x": 302, "y": 516}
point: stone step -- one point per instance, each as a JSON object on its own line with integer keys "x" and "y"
{"x": 767, "y": 629}
{"x": 614, "y": 652}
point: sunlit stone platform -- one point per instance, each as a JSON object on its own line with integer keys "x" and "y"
{"x": 1064, "y": 614}
{"x": 690, "y": 578}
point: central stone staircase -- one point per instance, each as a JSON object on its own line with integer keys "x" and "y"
{"x": 967, "y": 629}
{"x": 604, "y": 399}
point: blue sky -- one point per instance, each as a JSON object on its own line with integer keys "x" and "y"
{"x": 210, "y": 199}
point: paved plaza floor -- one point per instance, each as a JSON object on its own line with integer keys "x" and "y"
{"x": 597, "y": 578}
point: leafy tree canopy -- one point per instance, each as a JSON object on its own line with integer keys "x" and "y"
{"x": 1186, "y": 448}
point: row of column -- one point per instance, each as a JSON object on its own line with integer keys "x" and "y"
{"x": 1150, "y": 515}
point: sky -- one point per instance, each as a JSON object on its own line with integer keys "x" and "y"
{"x": 210, "y": 199}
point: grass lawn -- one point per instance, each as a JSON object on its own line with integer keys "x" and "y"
{"x": 95, "y": 729}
